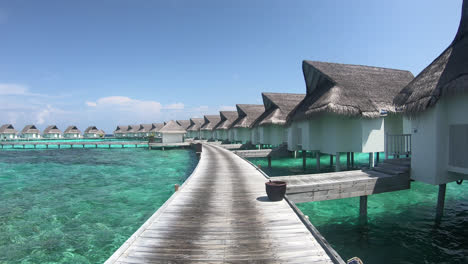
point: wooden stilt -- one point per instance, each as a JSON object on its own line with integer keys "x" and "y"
{"x": 295, "y": 154}
{"x": 317, "y": 157}
{"x": 441, "y": 201}
{"x": 304, "y": 159}
{"x": 331, "y": 160}
{"x": 348, "y": 160}
{"x": 363, "y": 206}
{"x": 371, "y": 160}
{"x": 378, "y": 158}
{"x": 338, "y": 163}
{"x": 269, "y": 162}
{"x": 352, "y": 159}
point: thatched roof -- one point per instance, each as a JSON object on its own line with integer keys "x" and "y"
{"x": 247, "y": 114}
{"x": 101, "y": 132}
{"x": 195, "y": 124}
{"x": 145, "y": 128}
{"x": 133, "y": 128}
{"x": 121, "y": 129}
{"x": 183, "y": 123}
{"x": 52, "y": 129}
{"x": 172, "y": 127}
{"x": 8, "y": 129}
{"x": 447, "y": 74}
{"x": 277, "y": 108}
{"x": 30, "y": 129}
{"x": 227, "y": 117}
{"x": 91, "y": 130}
{"x": 72, "y": 130}
{"x": 156, "y": 127}
{"x": 210, "y": 122}
{"x": 351, "y": 90}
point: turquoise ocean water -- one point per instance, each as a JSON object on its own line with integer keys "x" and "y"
{"x": 79, "y": 206}
{"x": 400, "y": 227}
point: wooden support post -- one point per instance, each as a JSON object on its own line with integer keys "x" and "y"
{"x": 441, "y": 201}
{"x": 363, "y": 206}
{"x": 352, "y": 159}
{"x": 304, "y": 159}
{"x": 331, "y": 160}
{"x": 295, "y": 154}
{"x": 338, "y": 163}
{"x": 176, "y": 187}
{"x": 46, "y": 146}
{"x": 348, "y": 163}
{"x": 24, "y": 145}
{"x": 163, "y": 148}
{"x": 269, "y": 162}
{"x": 317, "y": 157}
{"x": 371, "y": 160}
{"x": 378, "y": 158}
{"x": 122, "y": 146}
{"x": 109, "y": 145}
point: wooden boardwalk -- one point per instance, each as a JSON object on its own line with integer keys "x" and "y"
{"x": 73, "y": 144}
{"x": 221, "y": 215}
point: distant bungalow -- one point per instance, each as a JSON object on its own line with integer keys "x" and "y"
{"x": 133, "y": 130}
{"x": 193, "y": 131}
{"x": 172, "y": 133}
{"x": 435, "y": 105}
{"x": 144, "y": 130}
{"x": 93, "y": 132}
{"x": 206, "y": 129}
{"x": 183, "y": 123}
{"x": 270, "y": 128}
{"x": 221, "y": 130}
{"x": 8, "y": 132}
{"x": 240, "y": 129}
{"x": 72, "y": 132}
{"x": 121, "y": 131}
{"x": 156, "y": 127}
{"x": 30, "y": 131}
{"x": 345, "y": 109}
{"x": 52, "y": 131}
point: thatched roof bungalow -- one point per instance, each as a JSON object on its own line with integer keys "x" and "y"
{"x": 183, "y": 123}
{"x": 221, "y": 129}
{"x": 210, "y": 122}
{"x": 193, "y": 131}
{"x": 121, "y": 131}
{"x": 93, "y": 132}
{"x": 52, "y": 131}
{"x": 7, "y": 131}
{"x": 344, "y": 108}
{"x": 240, "y": 131}
{"x": 30, "y": 131}
{"x": 172, "y": 132}
{"x": 270, "y": 128}
{"x": 435, "y": 105}
{"x": 155, "y": 129}
{"x": 72, "y": 132}
{"x": 144, "y": 130}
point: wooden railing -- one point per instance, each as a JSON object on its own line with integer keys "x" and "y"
{"x": 397, "y": 145}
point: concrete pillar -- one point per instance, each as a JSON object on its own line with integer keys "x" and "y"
{"x": 441, "y": 201}
{"x": 338, "y": 164}
{"x": 269, "y": 162}
{"x": 317, "y": 157}
{"x": 304, "y": 159}
{"x": 371, "y": 160}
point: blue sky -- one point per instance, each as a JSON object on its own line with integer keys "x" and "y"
{"x": 128, "y": 62}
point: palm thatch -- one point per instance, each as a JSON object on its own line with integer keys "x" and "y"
{"x": 91, "y": 130}
{"x": 195, "y": 124}
{"x": 210, "y": 122}
{"x": 52, "y": 129}
{"x": 145, "y": 128}
{"x": 30, "y": 129}
{"x": 72, "y": 130}
{"x": 351, "y": 90}
{"x": 277, "y": 108}
{"x": 172, "y": 127}
{"x": 121, "y": 129}
{"x": 247, "y": 115}
{"x": 156, "y": 127}
{"x": 227, "y": 117}
{"x": 133, "y": 128}
{"x": 8, "y": 129}
{"x": 183, "y": 123}
{"x": 447, "y": 74}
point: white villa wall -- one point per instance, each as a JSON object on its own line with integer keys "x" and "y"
{"x": 255, "y": 135}
{"x": 272, "y": 134}
{"x": 394, "y": 124}
{"x": 206, "y": 134}
{"x": 8, "y": 136}
{"x": 71, "y": 135}
{"x": 172, "y": 137}
{"x": 430, "y": 140}
{"x": 55, "y": 135}
{"x": 31, "y": 135}
{"x": 373, "y": 135}
{"x": 242, "y": 134}
{"x": 231, "y": 134}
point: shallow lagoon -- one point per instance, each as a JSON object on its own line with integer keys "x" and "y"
{"x": 79, "y": 206}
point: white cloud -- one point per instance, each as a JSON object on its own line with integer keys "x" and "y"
{"x": 176, "y": 106}
{"x": 92, "y": 104}
{"x": 13, "y": 89}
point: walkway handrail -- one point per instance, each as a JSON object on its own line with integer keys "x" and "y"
{"x": 397, "y": 144}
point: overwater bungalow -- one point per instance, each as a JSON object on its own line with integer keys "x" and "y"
{"x": 72, "y": 132}
{"x": 52, "y": 131}
{"x": 133, "y": 130}
{"x": 435, "y": 105}
{"x": 144, "y": 130}
{"x": 30, "y": 131}
{"x": 221, "y": 129}
{"x": 210, "y": 122}
{"x": 155, "y": 129}
{"x": 8, "y": 132}
{"x": 183, "y": 123}
{"x": 121, "y": 131}
{"x": 172, "y": 133}
{"x": 193, "y": 131}
{"x": 93, "y": 132}
{"x": 347, "y": 108}
{"x": 240, "y": 129}
{"x": 270, "y": 128}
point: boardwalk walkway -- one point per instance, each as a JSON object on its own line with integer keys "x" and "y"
{"x": 221, "y": 215}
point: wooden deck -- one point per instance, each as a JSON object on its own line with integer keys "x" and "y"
{"x": 169, "y": 145}
{"x": 221, "y": 215}
{"x": 76, "y": 143}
